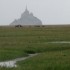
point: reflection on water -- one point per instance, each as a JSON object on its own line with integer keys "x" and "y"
{"x": 12, "y": 63}
{"x": 8, "y": 64}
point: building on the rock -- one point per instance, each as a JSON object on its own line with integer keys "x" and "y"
{"x": 27, "y": 19}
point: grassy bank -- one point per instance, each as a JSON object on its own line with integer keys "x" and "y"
{"x": 18, "y": 42}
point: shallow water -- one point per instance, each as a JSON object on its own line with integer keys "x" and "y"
{"x": 59, "y": 42}
{"x": 12, "y": 63}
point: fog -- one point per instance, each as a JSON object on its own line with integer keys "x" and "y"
{"x": 49, "y": 11}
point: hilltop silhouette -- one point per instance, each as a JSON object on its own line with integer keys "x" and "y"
{"x": 27, "y": 18}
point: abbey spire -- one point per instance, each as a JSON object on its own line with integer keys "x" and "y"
{"x": 26, "y": 12}
{"x": 26, "y": 8}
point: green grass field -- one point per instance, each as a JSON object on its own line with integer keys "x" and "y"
{"x": 18, "y": 42}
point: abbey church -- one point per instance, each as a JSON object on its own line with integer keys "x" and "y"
{"x": 27, "y": 18}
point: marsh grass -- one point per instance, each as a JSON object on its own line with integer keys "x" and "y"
{"x": 19, "y": 42}
{"x": 48, "y": 61}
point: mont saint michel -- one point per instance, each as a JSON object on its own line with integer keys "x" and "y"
{"x": 27, "y": 18}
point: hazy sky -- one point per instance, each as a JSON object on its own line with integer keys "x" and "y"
{"x": 49, "y": 11}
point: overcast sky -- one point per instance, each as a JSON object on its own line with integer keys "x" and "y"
{"x": 49, "y": 11}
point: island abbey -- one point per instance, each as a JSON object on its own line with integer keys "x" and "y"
{"x": 27, "y": 18}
